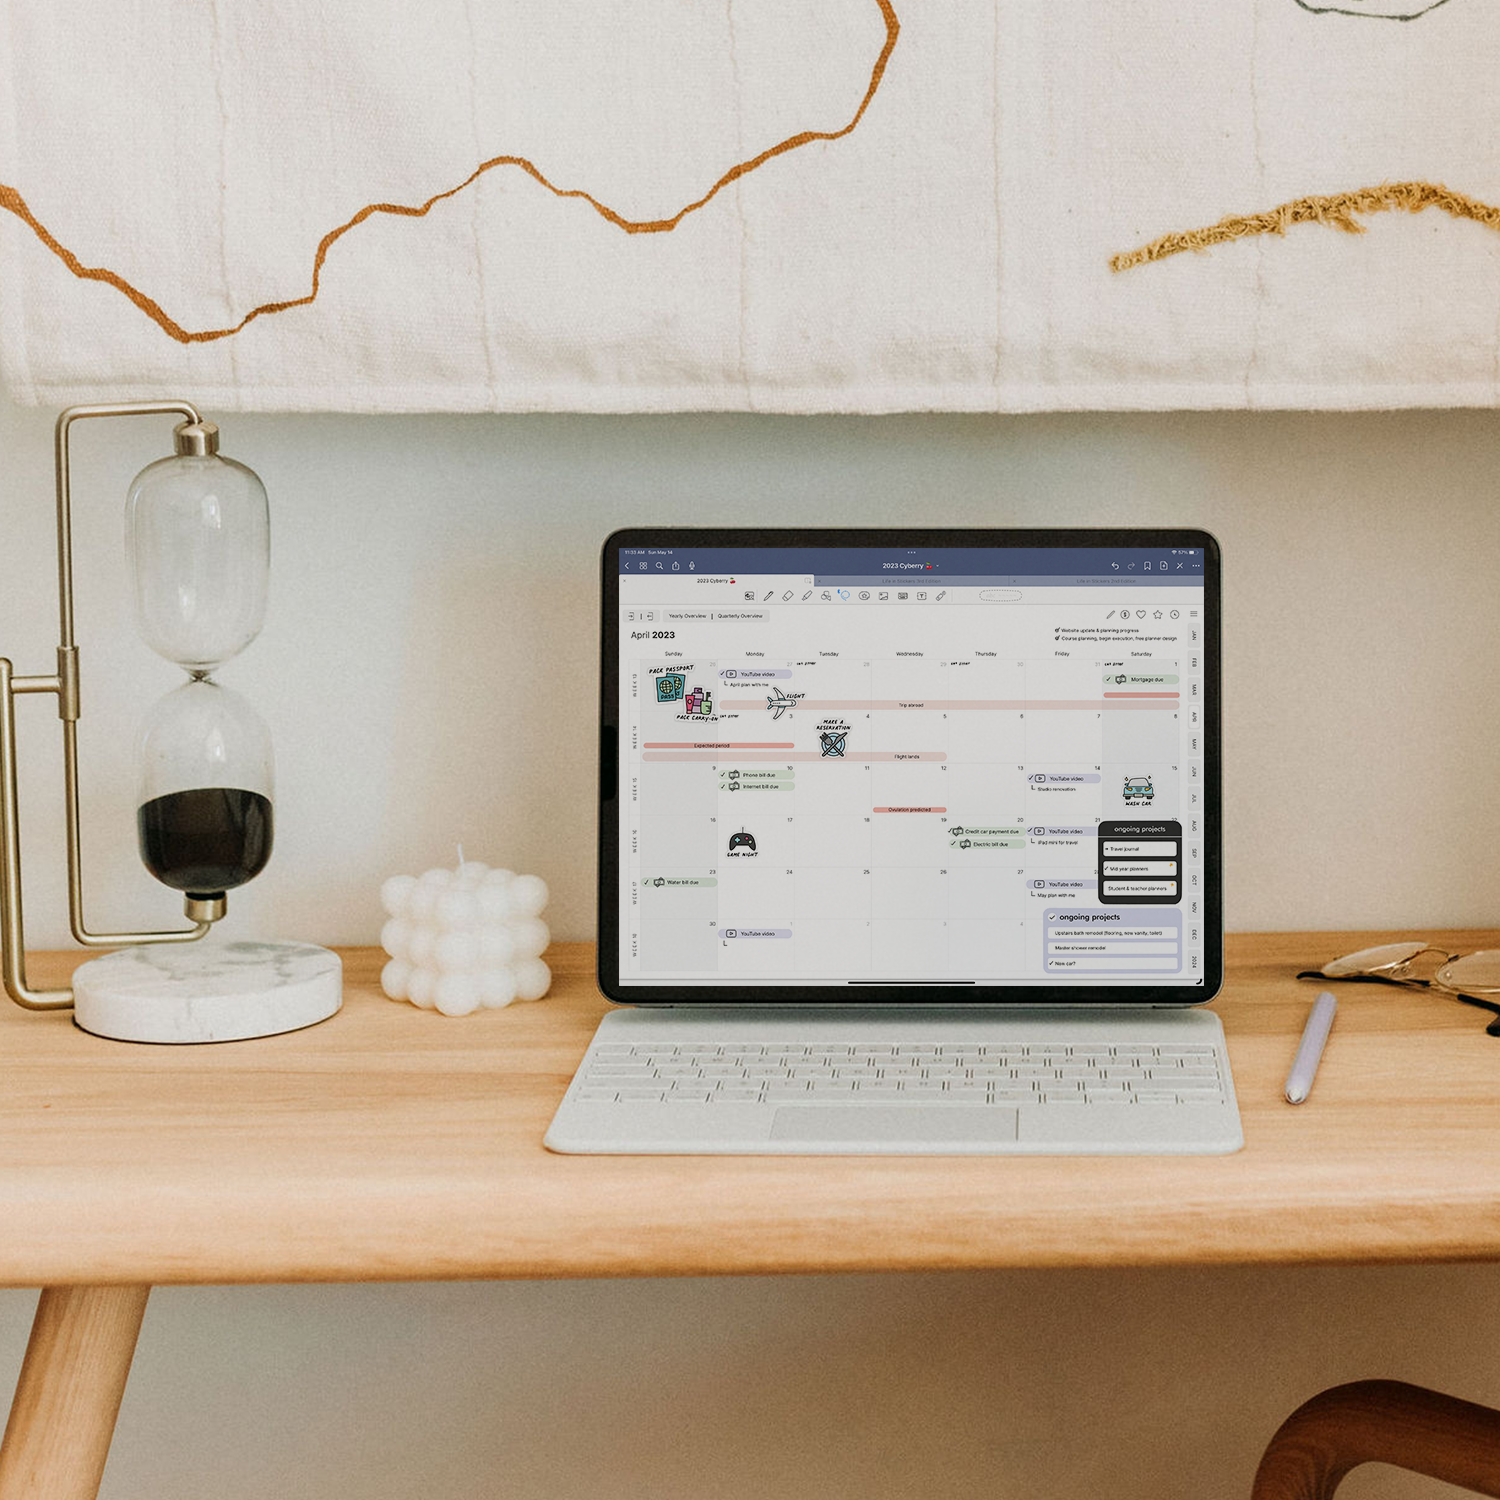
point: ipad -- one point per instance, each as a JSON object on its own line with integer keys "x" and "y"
{"x": 934, "y": 767}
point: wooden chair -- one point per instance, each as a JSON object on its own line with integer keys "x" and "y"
{"x": 1386, "y": 1422}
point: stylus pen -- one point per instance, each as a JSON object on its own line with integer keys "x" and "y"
{"x": 1299, "y": 1081}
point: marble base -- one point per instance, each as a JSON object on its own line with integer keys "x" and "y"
{"x": 207, "y": 992}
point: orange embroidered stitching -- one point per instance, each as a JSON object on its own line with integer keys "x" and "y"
{"x": 11, "y": 200}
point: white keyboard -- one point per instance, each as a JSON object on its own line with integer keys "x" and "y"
{"x": 717, "y": 1080}
{"x": 1008, "y": 1074}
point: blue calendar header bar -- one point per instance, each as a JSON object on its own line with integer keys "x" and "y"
{"x": 956, "y": 565}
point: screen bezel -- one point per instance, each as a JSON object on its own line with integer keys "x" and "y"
{"x": 855, "y": 994}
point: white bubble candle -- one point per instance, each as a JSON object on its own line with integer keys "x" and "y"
{"x": 465, "y": 939}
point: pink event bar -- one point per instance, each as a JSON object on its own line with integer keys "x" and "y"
{"x": 910, "y": 809}
{"x": 719, "y": 744}
{"x": 868, "y": 704}
{"x": 787, "y": 755}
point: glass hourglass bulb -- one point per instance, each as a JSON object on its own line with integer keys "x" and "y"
{"x": 198, "y": 534}
{"x": 198, "y": 531}
{"x": 207, "y": 779}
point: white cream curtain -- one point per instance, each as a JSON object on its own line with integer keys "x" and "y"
{"x": 911, "y": 204}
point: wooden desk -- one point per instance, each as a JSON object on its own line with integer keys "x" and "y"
{"x": 395, "y": 1144}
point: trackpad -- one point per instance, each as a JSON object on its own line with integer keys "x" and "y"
{"x": 893, "y": 1124}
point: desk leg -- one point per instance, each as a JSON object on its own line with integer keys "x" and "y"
{"x": 72, "y": 1380}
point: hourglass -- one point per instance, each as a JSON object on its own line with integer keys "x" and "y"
{"x": 200, "y": 569}
{"x": 197, "y": 532}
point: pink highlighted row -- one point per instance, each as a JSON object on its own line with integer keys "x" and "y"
{"x": 786, "y": 755}
{"x": 829, "y": 705}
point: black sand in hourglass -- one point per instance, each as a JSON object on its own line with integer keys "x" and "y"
{"x": 206, "y": 841}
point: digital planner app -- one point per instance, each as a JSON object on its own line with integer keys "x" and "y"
{"x": 845, "y": 765}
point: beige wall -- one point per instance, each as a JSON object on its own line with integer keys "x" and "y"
{"x": 429, "y": 674}
{"x": 1148, "y": 1385}
{"x": 429, "y": 663}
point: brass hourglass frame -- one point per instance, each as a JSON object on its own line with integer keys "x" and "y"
{"x": 192, "y": 435}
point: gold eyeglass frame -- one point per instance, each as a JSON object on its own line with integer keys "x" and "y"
{"x": 1398, "y": 970}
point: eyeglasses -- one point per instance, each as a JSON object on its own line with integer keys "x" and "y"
{"x": 1473, "y": 978}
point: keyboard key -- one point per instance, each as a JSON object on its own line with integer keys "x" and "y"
{"x": 688, "y": 1096}
{"x": 641, "y": 1096}
{"x": 595, "y": 1096}
{"x": 1067, "y": 1098}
